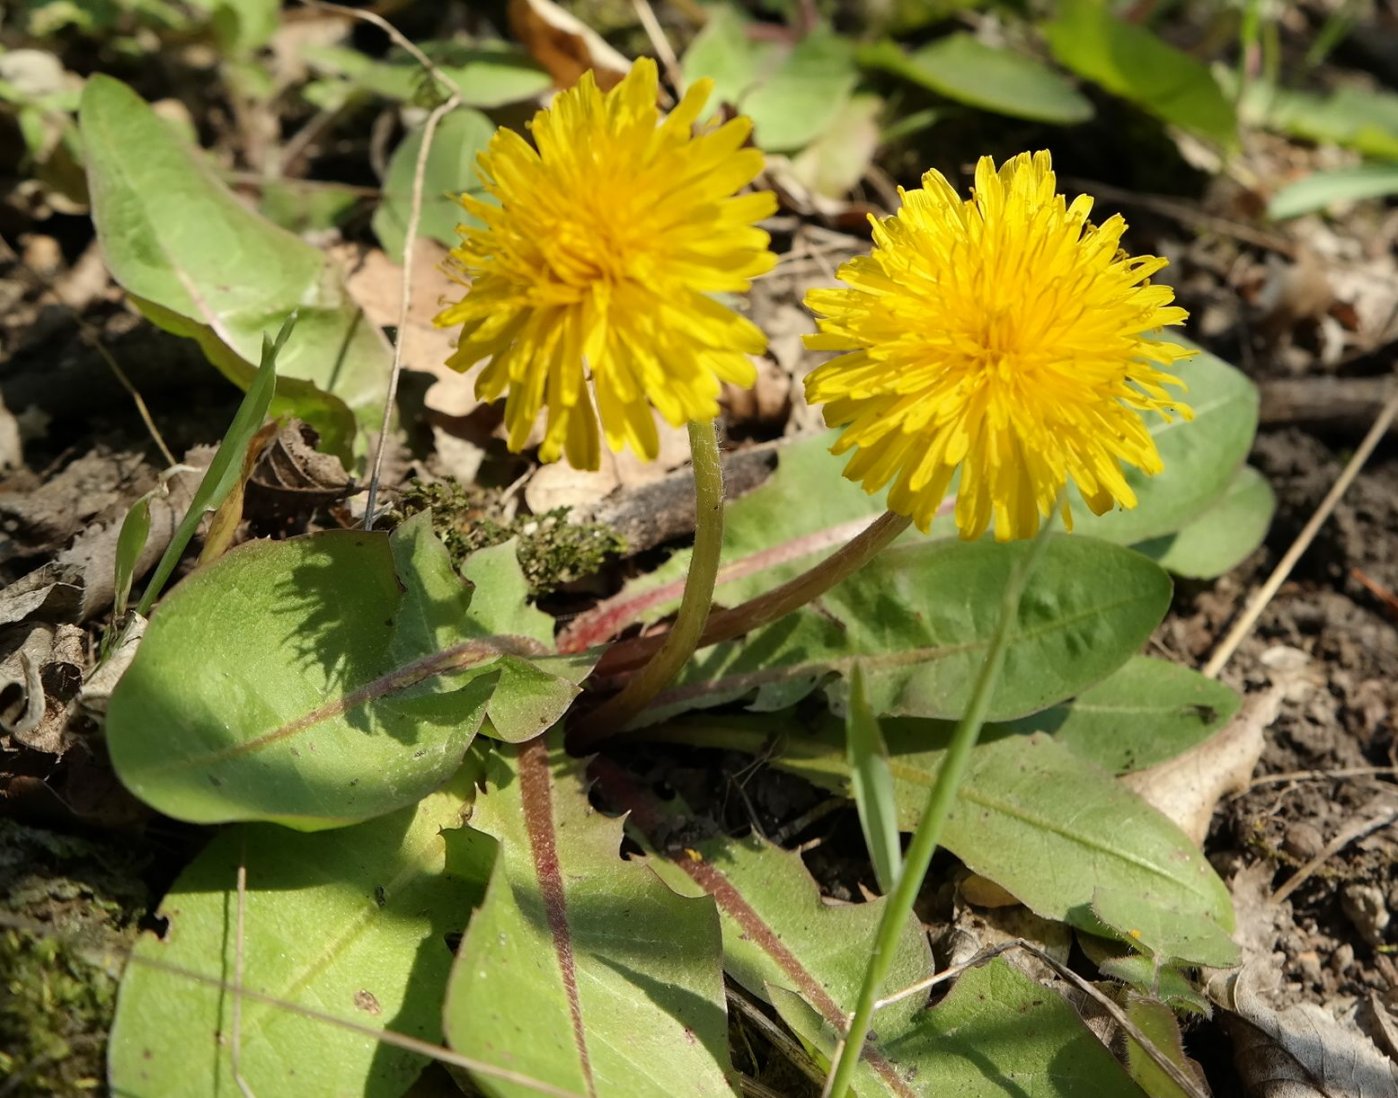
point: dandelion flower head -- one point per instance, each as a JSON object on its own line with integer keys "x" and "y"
{"x": 1004, "y": 335}
{"x": 590, "y": 278}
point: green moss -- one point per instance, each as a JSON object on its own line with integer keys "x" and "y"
{"x": 552, "y": 551}
{"x": 76, "y": 904}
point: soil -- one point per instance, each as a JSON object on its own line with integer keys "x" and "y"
{"x": 81, "y": 863}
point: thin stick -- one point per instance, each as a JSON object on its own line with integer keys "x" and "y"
{"x": 398, "y": 37}
{"x": 1320, "y": 776}
{"x": 946, "y": 974}
{"x": 794, "y": 1053}
{"x": 1356, "y": 830}
{"x": 1264, "y": 594}
{"x": 898, "y": 908}
{"x": 1119, "y": 1016}
{"x": 429, "y": 129}
{"x": 94, "y": 340}
{"x": 659, "y": 43}
{"x": 235, "y": 1052}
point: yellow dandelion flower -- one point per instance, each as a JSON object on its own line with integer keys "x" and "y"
{"x": 591, "y": 278}
{"x": 1004, "y": 335}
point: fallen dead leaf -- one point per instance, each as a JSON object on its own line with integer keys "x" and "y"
{"x": 375, "y": 283}
{"x": 1301, "y": 1051}
{"x": 42, "y": 675}
{"x": 1188, "y": 787}
{"x": 560, "y": 485}
{"x": 563, "y": 45}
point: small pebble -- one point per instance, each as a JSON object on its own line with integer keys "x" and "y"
{"x": 1303, "y": 840}
{"x": 1310, "y": 967}
{"x": 1342, "y": 959}
{"x": 1367, "y": 909}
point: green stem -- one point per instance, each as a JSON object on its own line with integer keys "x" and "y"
{"x": 777, "y": 603}
{"x": 683, "y": 638}
{"x": 899, "y": 904}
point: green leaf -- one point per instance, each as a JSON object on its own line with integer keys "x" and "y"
{"x": 1201, "y": 456}
{"x": 1223, "y": 536}
{"x": 919, "y": 618}
{"x": 201, "y": 264}
{"x": 241, "y": 26}
{"x": 135, "y": 530}
{"x": 1320, "y": 190}
{"x": 450, "y": 170}
{"x": 489, "y": 75}
{"x": 807, "y": 508}
{"x": 962, "y": 68}
{"x": 322, "y": 680}
{"x": 779, "y": 935}
{"x": 1046, "y": 825}
{"x": 1147, "y": 711}
{"x": 1000, "y": 1033}
{"x": 1364, "y": 119}
{"x": 723, "y": 52}
{"x": 581, "y": 969}
{"x": 1133, "y": 63}
{"x": 791, "y": 96}
{"x": 1170, "y": 985}
{"x": 873, "y": 785}
{"x": 801, "y": 99}
{"x": 1162, "y": 1029}
{"x": 1170, "y": 932}
{"x": 835, "y": 162}
{"x": 226, "y": 466}
{"x": 350, "y": 923}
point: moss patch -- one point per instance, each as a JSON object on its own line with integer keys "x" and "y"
{"x": 552, "y": 551}
{"x": 76, "y": 904}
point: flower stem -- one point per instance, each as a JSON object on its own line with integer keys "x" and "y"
{"x": 899, "y": 904}
{"x": 684, "y": 636}
{"x": 777, "y": 603}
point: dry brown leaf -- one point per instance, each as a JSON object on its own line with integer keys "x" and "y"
{"x": 375, "y": 283}
{"x": 1334, "y": 1058}
{"x": 41, "y": 676}
{"x": 560, "y": 485}
{"x": 768, "y": 401}
{"x": 1188, "y": 787}
{"x": 564, "y": 46}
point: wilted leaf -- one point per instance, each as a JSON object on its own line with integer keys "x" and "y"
{"x": 564, "y": 45}
{"x": 1336, "y": 1057}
